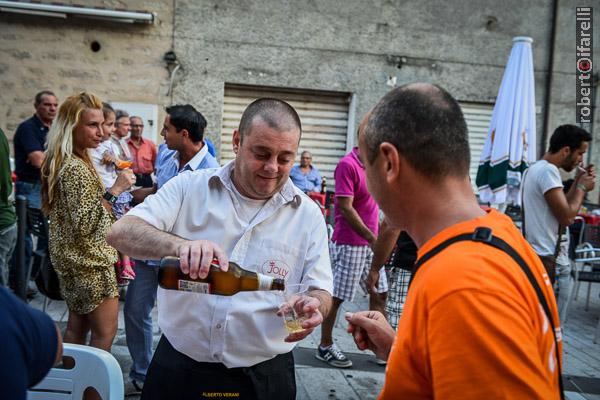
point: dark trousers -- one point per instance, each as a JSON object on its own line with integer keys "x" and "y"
{"x": 173, "y": 375}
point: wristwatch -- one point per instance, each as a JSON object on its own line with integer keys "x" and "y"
{"x": 582, "y": 187}
{"x": 111, "y": 198}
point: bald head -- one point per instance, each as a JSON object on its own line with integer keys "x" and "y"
{"x": 426, "y": 125}
{"x": 305, "y": 159}
{"x": 277, "y": 114}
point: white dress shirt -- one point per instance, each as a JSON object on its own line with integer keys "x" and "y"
{"x": 287, "y": 239}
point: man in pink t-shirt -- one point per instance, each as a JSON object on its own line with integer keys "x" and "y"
{"x": 356, "y": 227}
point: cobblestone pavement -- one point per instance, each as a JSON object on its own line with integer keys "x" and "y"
{"x": 316, "y": 380}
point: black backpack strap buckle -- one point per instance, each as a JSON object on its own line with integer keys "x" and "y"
{"x": 482, "y": 234}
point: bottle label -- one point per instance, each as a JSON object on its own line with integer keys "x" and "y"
{"x": 195, "y": 287}
{"x": 264, "y": 281}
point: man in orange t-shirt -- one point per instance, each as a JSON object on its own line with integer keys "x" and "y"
{"x": 143, "y": 152}
{"x": 473, "y": 326}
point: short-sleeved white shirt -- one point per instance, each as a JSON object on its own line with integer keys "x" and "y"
{"x": 541, "y": 226}
{"x": 107, "y": 172}
{"x": 287, "y": 239}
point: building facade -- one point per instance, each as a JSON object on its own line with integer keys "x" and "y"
{"x": 332, "y": 61}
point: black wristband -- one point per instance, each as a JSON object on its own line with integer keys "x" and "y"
{"x": 111, "y": 198}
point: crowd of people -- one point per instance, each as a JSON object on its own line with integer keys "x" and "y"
{"x": 480, "y": 303}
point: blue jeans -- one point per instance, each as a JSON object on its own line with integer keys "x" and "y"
{"x": 8, "y": 239}
{"x": 563, "y": 286}
{"x": 33, "y": 193}
{"x": 139, "y": 301}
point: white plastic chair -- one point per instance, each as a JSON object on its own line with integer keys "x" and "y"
{"x": 93, "y": 368}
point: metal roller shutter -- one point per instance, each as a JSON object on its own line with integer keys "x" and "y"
{"x": 478, "y": 117}
{"x": 324, "y": 117}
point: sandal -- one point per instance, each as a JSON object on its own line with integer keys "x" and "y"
{"x": 119, "y": 274}
{"x": 127, "y": 272}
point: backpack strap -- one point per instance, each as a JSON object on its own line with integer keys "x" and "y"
{"x": 485, "y": 236}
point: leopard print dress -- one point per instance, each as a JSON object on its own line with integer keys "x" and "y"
{"x": 78, "y": 249}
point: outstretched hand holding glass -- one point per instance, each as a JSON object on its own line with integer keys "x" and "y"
{"x": 300, "y": 311}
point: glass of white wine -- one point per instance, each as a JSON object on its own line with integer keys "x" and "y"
{"x": 293, "y": 317}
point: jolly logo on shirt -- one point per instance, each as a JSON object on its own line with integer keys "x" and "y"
{"x": 275, "y": 268}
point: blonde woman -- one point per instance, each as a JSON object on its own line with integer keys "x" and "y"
{"x": 79, "y": 211}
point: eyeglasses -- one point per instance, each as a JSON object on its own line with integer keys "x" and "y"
{"x": 137, "y": 126}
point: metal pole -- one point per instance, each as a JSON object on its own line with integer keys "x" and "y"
{"x": 21, "y": 270}
{"x": 63, "y": 10}
{"x": 548, "y": 94}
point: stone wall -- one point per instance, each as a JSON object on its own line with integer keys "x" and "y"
{"x": 462, "y": 46}
{"x": 52, "y": 53}
{"x": 309, "y": 44}
{"x": 355, "y": 48}
{"x": 562, "y": 109}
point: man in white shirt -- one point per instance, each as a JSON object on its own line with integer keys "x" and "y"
{"x": 546, "y": 206}
{"x": 249, "y": 212}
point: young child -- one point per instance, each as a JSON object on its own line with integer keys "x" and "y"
{"x": 107, "y": 164}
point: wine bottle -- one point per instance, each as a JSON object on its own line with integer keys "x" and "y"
{"x": 225, "y": 283}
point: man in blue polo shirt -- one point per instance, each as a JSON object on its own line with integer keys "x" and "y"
{"x": 29, "y": 142}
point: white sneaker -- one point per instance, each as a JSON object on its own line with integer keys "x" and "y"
{"x": 333, "y": 356}
{"x": 379, "y": 361}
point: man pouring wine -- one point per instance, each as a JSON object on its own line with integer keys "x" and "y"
{"x": 249, "y": 212}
